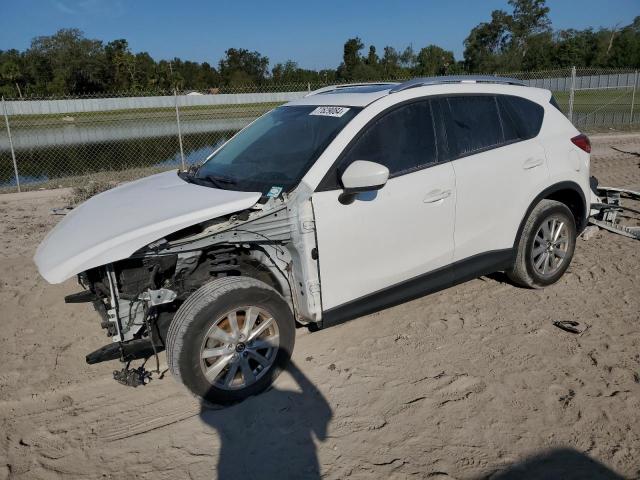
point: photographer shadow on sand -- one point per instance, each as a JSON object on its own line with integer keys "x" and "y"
{"x": 272, "y": 435}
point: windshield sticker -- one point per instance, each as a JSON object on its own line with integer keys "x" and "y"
{"x": 274, "y": 192}
{"x": 330, "y": 111}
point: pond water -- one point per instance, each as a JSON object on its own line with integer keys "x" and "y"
{"x": 49, "y": 152}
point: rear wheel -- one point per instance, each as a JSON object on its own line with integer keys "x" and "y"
{"x": 546, "y": 246}
{"x": 230, "y": 339}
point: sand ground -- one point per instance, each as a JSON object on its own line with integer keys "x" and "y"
{"x": 471, "y": 382}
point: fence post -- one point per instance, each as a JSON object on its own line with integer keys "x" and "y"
{"x": 175, "y": 94}
{"x": 13, "y": 153}
{"x": 633, "y": 96}
{"x": 572, "y": 92}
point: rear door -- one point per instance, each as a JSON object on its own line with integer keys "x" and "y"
{"x": 397, "y": 233}
{"x": 499, "y": 167}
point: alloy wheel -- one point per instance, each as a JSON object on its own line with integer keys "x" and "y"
{"x": 550, "y": 245}
{"x": 239, "y": 348}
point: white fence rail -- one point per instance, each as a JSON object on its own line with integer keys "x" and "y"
{"x": 587, "y": 82}
{"x": 87, "y": 105}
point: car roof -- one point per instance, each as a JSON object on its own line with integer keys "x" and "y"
{"x": 363, "y": 94}
{"x": 354, "y": 95}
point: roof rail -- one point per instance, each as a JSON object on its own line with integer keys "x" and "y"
{"x": 420, "y": 82}
{"x": 331, "y": 88}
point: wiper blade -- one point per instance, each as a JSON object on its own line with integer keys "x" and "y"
{"x": 208, "y": 180}
{"x": 220, "y": 179}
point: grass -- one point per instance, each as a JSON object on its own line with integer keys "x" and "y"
{"x": 139, "y": 114}
{"x": 587, "y": 101}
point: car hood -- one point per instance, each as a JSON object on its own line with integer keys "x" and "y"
{"x": 116, "y": 223}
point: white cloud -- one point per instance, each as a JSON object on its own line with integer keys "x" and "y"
{"x": 110, "y": 8}
{"x": 64, "y": 8}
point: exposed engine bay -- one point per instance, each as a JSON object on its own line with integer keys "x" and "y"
{"x": 274, "y": 241}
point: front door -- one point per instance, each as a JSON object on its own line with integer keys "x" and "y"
{"x": 393, "y": 235}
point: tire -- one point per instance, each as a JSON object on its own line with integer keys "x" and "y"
{"x": 541, "y": 260}
{"x": 204, "y": 325}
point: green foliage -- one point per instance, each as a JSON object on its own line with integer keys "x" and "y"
{"x": 242, "y": 67}
{"x": 290, "y": 73}
{"x": 523, "y": 40}
{"x": 69, "y": 63}
{"x": 433, "y": 60}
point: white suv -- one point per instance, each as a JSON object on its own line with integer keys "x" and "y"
{"x": 344, "y": 202}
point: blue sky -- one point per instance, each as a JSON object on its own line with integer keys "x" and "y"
{"x": 312, "y": 33}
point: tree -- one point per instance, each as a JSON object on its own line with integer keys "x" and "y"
{"x": 145, "y": 71}
{"x": 504, "y": 42}
{"x": 289, "y": 72}
{"x": 372, "y": 58}
{"x": 433, "y": 60}
{"x": 486, "y": 42}
{"x": 10, "y": 73}
{"x": 351, "y": 58}
{"x": 207, "y": 77}
{"x": 390, "y": 64}
{"x": 573, "y": 47}
{"x": 529, "y": 18}
{"x": 408, "y": 57}
{"x": 242, "y": 67}
{"x": 69, "y": 62}
{"x": 121, "y": 65}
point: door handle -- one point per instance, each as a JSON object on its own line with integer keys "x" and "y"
{"x": 532, "y": 163}
{"x": 436, "y": 195}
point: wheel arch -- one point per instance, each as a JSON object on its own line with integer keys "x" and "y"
{"x": 568, "y": 193}
{"x": 272, "y": 275}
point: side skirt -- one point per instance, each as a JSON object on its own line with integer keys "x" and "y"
{"x": 458, "y": 272}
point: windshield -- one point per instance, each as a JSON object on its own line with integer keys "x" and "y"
{"x": 275, "y": 152}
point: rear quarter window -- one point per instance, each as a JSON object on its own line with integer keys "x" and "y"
{"x": 521, "y": 118}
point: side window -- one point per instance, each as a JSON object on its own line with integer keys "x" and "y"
{"x": 473, "y": 123}
{"x": 521, "y": 118}
{"x": 402, "y": 140}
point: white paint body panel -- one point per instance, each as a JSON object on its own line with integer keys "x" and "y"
{"x": 114, "y": 224}
{"x": 384, "y": 237}
{"x": 494, "y": 190}
{"x": 565, "y": 161}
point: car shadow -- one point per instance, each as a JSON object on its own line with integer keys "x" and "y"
{"x": 557, "y": 464}
{"x": 272, "y": 435}
{"x": 500, "y": 277}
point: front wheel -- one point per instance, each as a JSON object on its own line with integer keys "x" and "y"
{"x": 546, "y": 245}
{"x": 230, "y": 339}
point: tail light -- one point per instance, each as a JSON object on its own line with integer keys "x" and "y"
{"x": 582, "y": 142}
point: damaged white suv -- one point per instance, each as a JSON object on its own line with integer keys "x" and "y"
{"x": 344, "y": 202}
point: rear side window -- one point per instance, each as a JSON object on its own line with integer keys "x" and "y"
{"x": 521, "y": 118}
{"x": 402, "y": 140}
{"x": 473, "y": 123}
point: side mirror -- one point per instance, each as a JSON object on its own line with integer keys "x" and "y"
{"x": 362, "y": 176}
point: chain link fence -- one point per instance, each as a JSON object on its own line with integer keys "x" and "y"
{"x": 69, "y": 141}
